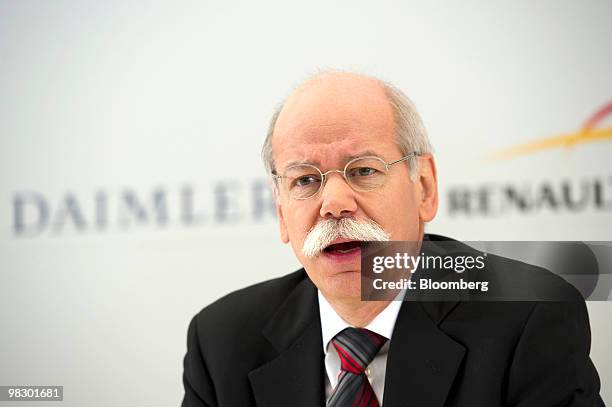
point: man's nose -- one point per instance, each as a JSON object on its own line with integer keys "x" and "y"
{"x": 338, "y": 197}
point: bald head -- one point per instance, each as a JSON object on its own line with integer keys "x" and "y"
{"x": 343, "y": 99}
{"x": 332, "y": 99}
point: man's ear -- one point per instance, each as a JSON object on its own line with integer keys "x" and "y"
{"x": 284, "y": 234}
{"x": 428, "y": 185}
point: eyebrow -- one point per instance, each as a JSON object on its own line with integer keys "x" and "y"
{"x": 347, "y": 158}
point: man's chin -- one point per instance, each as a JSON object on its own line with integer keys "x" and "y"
{"x": 336, "y": 279}
{"x": 343, "y": 285}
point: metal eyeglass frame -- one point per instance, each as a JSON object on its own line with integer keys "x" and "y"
{"x": 324, "y": 175}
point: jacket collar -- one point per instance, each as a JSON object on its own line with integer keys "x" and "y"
{"x": 295, "y": 377}
{"x": 423, "y": 361}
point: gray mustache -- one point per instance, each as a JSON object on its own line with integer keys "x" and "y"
{"x": 326, "y": 231}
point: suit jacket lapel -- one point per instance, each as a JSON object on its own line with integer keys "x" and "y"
{"x": 423, "y": 360}
{"x": 421, "y": 367}
{"x": 295, "y": 377}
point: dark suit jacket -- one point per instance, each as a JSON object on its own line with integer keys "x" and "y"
{"x": 262, "y": 346}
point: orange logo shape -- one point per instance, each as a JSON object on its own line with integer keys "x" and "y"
{"x": 587, "y": 133}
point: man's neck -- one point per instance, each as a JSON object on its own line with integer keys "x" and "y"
{"x": 358, "y": 313}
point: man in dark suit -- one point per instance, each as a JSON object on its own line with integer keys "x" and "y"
{"x": 351, "y": 162}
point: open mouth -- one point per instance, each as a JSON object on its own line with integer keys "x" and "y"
{"x": 343, "y": 248}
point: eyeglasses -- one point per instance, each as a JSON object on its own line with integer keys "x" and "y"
{"x": 363, "y": 174}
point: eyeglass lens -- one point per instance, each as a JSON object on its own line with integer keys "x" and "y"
{"x": 363, "y": 174}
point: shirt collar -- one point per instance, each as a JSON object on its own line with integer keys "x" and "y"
{"x": 332, "y": 324}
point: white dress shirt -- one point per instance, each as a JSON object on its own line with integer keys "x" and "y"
{"x": 332, "y": 324}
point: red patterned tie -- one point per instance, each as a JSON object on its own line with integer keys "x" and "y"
{"x": 356, "y": 348}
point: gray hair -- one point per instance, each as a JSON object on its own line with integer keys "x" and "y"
{"x": 410, "y": 133}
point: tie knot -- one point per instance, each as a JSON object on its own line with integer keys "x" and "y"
{"x": 356, "y": 348}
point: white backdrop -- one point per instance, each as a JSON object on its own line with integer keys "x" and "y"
{"x": 131, "y": 190}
